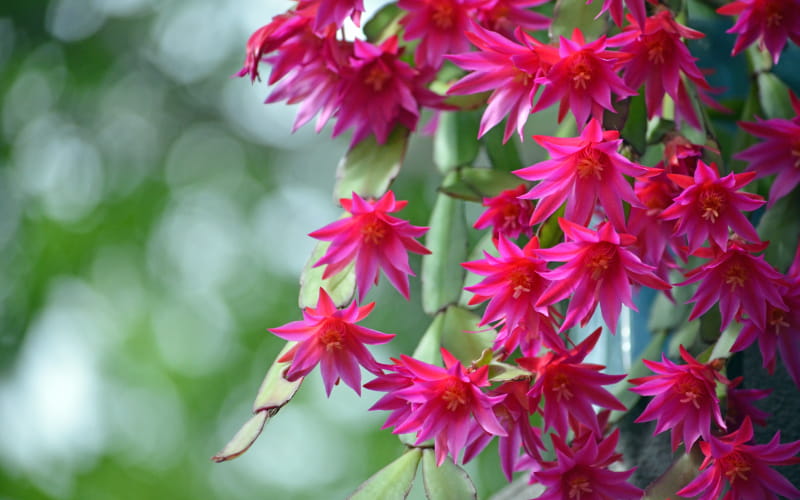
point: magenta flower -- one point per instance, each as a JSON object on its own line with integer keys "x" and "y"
{"x": 512, "y": 286}
{"x": 373, "y": 239}
{"x": 770, "y": 22}
{"x": 440, "y": 402}
{"x": 745, "y": 468}
{"x": 507, "y": 214}
{"x": 778, "y": 153}
{"x": 504, "y": 16}
{"x": 614, "y": 7}
{"x": 659, "y": 58}
{"x": 740, "y": 405}
{"x": 738, "y": 280}
{"x": 583, "y": 79}
{"x": 329, "y": 337}
{"x": 334, "y": 12}
{"x": 570, "y": 387}
{"x": 582, "y": 472}
{"x": 513, "y": 413}
{"x": 685, "y": 398}
{"x": 509, "y": 70}
{"x": 440, "y": 25}
{"x": 709, "y": 206}
{"x": 598, "y": 269}
{"x": 581, "y": 171}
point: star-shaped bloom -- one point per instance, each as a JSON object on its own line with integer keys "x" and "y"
{"x": 504, "y": 16}
{"x": 439, "y": 403}
{"x": 582, "y": 472}
{"x": 770, "y": 22}
{"x": 506, "y": 68}
{"x": 598, "y": 269}
{"x": 334, "y": 12}
{"x": 583, "y": 79}
{"x": 570, "y": 387}
{"x": 440, "y": 25}
{"x": 739, "y": 280}
{"x": 512, "y": 286}
{"x": 582, "y": 171}
{"x": 329, "y": 337}
{"x": 778, "y": 152}
{"x": 374, "y": 240}
{"x": 685, "y": 398}
{"x": 746, "y": 469}
{"x": 710, "y": 206}
{"x": 507, "y": 214}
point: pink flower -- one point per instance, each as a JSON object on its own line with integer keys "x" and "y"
{"x": 685, "y": 398}
{"x": 329, "y": 337}
{"x": 598, "y": 269}
{"x": 570, "y": 387}
{"x": 334, "y": 12}
{"x": 507, "y": 214}
{"x": 709, "y": 206}
{"x": 659, "y": 58}
{"x": 581, "y": 171}
{"x": 512, "y": 286}
{"x": 741, "y": 407}
{"x": 440, "y": 24}
{"x": 514, "y": 415}
{"x": 583, "y": 79}
{"x": 379, "y": 91}
{"x": 781, "y": 333}
{"x": 778, "y": 153}
{"x": 440, "y": 403}
{"x": 373, "y": 239}
{"x": 745, "y": 468}
{"x": 738, "y": 280}
{"x": 582, "y": 472}
{"x": 504, "y": 16}
{"x": 614, "y": 7}
{"x": 771, "y": 22}
{"x": 509, "y": 70}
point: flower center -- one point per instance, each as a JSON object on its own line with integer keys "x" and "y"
{"x": 442, "y": 15}
{"x": 332, "y": 336}
{"x": 736, "y": 466}
{"x": 578, "y": 486}
{"x": 773, "y": 14}
{"x": 581, "y": 72}
{"x": 454, "y": 396}
{"x": 656, "y": 50}
{"x": 521, "y": 281}
{"x": 691, "y": 390}
{"x": 735, "y": 275}
{"x": 712, "y": 203}
{"x": 560, "y": 385}
{"x": 591, "y": 164}
{"x": 374, "y": 232}
{"x": 600, "y": 258}
{"x": 523, "y": 78}
{"x": 777, "y": 319}
{"x": 377, "y": 77}
{"x": 796, "y": 153}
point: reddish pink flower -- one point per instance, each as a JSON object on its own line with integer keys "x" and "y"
{"x": 513, "y": 413}
{"x": 598, "y": 269}
{"x": 440, "y": 24}
{"x": 380, "y": 91}
{"x": 709, "y": 206}
{"x": 509, "y": 70}
{"x": 329, "y": 337}
{"x": 583, "y": 79}
{"x": 504, "y": 16}
{"x": 334, "y": 12}
{"x": 685, "y": 398}
{"x": 512, "y": 286}
{"x": 778, "y": 153}
{"x": 582, "y": 171}
{"x": 614, "y": 7}
{"x": 740, "y": 405}
{"x": 583, "y": 473}
{"x": 781, "y": 333}
{"x": 373, "y": 239}
{"x": 738, "y": 280}
{"x": 770, "y": 22}
{"x": 507, "y": 214}
{"x": 440, "y": 403}
{"x": 745, "y": 468}
{"x": 570, "y": 387}
{"x": 659, "y": 58}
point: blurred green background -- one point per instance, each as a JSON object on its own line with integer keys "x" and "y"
{"x": 153, "y": 221}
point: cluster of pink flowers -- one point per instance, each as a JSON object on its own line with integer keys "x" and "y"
{"x": 625, "y": 225}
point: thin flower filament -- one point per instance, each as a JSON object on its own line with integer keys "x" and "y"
{"x": 712, "y": 203}
{"x": 454, "y": 396}
{"x": 735, "y": 276}
{"x": 581, "y": 72}
{"x": 736, "y": 466}
{"x": 442, "y": 15}
{"x": 332, "y": 336}
{"x": 374, "y": 232}
{"x": 692, "y": 391}
{"x": 599, "y": 259}
{"x": 579, "y": 486}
